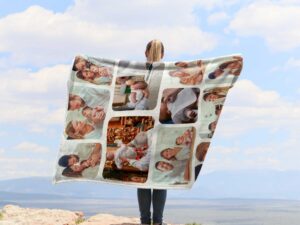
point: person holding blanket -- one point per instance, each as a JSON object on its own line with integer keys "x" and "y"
{"x": 154, "y": 53}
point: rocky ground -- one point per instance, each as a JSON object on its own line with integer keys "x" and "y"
{"x": 15, "y": 215}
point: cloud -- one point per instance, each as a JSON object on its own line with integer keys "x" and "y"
{"x": 31, "y": 147}
{"x": 36, "y": 98}
{"x": 292, "y": 63}
{"x": 212, "y": 4}
{"x": 217, "y": 17}
{"x": 13, "y": 167}
{"x": 275, "y": 22}
{"x": 40, "y": 37}
{"x": 249, "y": 107}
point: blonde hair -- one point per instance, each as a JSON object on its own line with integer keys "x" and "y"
{"x": 70, "y": 131}
{"x": 154, "y": 51}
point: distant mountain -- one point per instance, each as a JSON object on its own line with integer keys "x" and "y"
{"x": 254, "y": 184}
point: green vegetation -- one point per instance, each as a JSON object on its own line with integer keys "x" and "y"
{"x": 79, "y": 220}
{"x": 1, "y": 216}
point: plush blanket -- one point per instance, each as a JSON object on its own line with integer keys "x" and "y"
{"x": 142, "y": 124}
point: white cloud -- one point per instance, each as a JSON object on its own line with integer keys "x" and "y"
{"x": 41, "y": 37}
{"x": 31, "y": 147}
{"x": 212, "y": 4}
{"x": 37, "y": 98}
{"x": 292, "y": 63}
{"x": 249, "y": 107}
{"x": 13, "y": 167}
{"x": 276, "y": 22}
{"x": 217, "y": 17}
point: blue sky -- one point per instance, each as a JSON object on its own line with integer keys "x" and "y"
{"x": 260, "y": 124}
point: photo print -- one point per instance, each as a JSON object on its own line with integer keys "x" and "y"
{"x": 179, "y": 105}
{"x": 201, "y": 152}
{"x": 79, "y": 160}
{"x": 89, "y": 70}
{"x": 212, "y": 103}
{"x": 189, "y": 73}
{"x": 87, "y": 108}
{"x": 231, "y": 67}
{"x": 137, "y": 86}
{"x": 129, "y": 143}
{"x": 173, "y": 155}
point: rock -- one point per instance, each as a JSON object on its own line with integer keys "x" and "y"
{"x": 25, "y": 216}
{"x": 15, "y": 215}
{"x": 108, "y": 219}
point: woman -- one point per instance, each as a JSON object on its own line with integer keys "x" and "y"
{"x": 154, "y": 52}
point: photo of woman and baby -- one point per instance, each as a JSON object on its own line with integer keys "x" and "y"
{"x": 179, "y": 105}
{"x": 86, "y": 71}
{"x": 173, "y": 157}
{"x": 87, "y": 109}
{"x": 128, "y": 148}
{"x": 79, "y": 160}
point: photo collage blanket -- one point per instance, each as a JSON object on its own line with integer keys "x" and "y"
{"x": 142, "y": 124}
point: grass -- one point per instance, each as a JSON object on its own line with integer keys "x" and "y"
{"x": 79, "y": 220}
{"x": 1, "y": 216}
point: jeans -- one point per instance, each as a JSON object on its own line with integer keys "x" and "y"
{"x": 158, "y": 200}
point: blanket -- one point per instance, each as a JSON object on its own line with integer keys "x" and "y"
{"x": 142, "y": 124}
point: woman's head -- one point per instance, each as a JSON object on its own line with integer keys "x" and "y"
{"x": 180, "y": 140}
{"x": 163, "y": 166}
{"x": 69, "y": 172}
{"x": 75, "y": 102}
{"x": 79, "y": 64}
{"x": 202, "y": 150}
{"x": 168, "y": 153}
{"x": 154, "y": 51}
{"x": 76, "y": 129}
{"x": 85, "y": 75}
{"x": 212, "y": 96}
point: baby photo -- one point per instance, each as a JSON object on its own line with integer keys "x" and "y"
{"x": 173, "y": 157}
{"x": 87, "y": 109}
{"x": 137, "y": 85}
{"x": 179, "y": 105}
{"x": 129, "y": 143}
{"x": 190, "y": 73}
{"x": 131, "y": 92}
{"x": 79, "y": 160}
{"x": 86, "y": 71}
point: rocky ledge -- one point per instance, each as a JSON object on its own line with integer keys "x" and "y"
{"x": 15, "y": 215}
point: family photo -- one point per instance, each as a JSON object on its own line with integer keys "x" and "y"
{"x": 173, "y": 155}
{"x": 232, "y": 67}
{"x": 212, "y": 103}
{"x": 189, "y": 73}
{"x": 79, "y": 160}
{"x": 129, "y": 143}
{"x": 86, "y": 112}
{"x": 179, "y": 105}
{"x": 86, "y": 71}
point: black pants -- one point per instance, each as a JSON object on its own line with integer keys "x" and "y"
{"x": 158, "y": 198}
